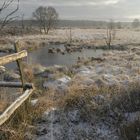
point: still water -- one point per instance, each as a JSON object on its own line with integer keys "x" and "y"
{"x": 42, "y": 56}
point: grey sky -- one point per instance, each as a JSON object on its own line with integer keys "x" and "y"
{"x": 86, "y": 9}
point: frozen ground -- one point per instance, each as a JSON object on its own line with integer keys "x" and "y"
{"x": 79, "y": 36}
{"x": 113, "y": 69}
{"x": 116, "y": 69}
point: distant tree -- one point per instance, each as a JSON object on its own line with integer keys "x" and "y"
{"x": 111, "y": 24}
{"x": 47, "y": 17}
{"x": 135, "y": 23}
{"x": 9, "y": 16}
{"x": 70, "y": 36}
{"x": 22, "y": 22}
{"x": 119, "y": 25}
{"x": 111, "y": 33}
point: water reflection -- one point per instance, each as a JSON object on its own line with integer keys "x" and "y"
{"x": 42, "y": 56}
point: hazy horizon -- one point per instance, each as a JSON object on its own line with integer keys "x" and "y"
{"x": 119, "y": 10}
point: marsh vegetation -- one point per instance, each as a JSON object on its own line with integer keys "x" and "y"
{"x": 86, "y": 76}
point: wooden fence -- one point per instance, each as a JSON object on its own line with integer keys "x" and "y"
{"x": 27, "y": 87}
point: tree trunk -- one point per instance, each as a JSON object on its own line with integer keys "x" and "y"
{"x": 48, "y": 30}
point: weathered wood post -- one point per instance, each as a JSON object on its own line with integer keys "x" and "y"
{"x": 19, "y": 64}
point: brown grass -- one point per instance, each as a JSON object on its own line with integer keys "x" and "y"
{"x": 81, "y": 98}
{"x": 3, "y": 105}
{"x": 6, "y": 97}
{"x": 19, "y": 124}
{"x": 24, "y": 118}
{"x": 118, "y": 100}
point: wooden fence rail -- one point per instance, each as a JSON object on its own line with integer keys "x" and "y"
{"x": 27, "y": 87}
{"x": 16, "y": 85}
{"x": 14, "y": 106}
{"x": 13, "y": 57}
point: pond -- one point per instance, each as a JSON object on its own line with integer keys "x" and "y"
{"x": 42, "y": 56}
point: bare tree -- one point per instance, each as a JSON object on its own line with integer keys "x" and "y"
{"x": 119, "y": 25}
{"x": 110, "y": 34}
{"x": 22, "y": 22}
{"x": 7, "y": 15}
{"x": 69, "y": 35}
{"x": 135, "y": 23}
{"x": 47, "y": 17}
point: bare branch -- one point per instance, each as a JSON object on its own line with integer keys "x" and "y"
{"x": 6, "y": 4}
{"x": 8, "y": 17}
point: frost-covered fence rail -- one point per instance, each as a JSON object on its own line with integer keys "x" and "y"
{"x": 27, "y": 87}
{"x": 13, "y": 57}
{"x": 14, "y": 106}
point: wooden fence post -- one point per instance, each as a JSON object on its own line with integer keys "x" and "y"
{"x": 19, "y": 65}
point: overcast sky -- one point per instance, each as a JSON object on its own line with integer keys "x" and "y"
{"x": 86, "y": 9}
